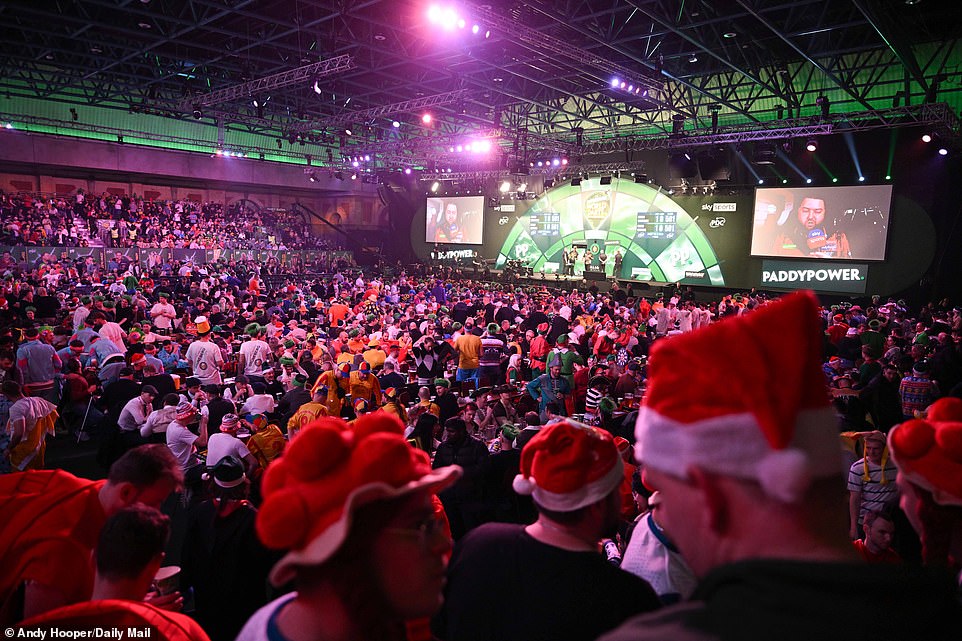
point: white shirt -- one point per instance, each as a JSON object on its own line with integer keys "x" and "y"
{"x": 257, "y": 356}
{"x": 133, "y": 415}
{"x": 221, "y": 445}
{"x": 180, "y": 440}
{"x": 205, "y": 360}
{"x": 258, "y": 404}
{"x": 159, "y": 313}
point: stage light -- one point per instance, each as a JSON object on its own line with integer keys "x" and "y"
{"x": 317, "y": 88}
{"x": 426, "y": 119}
{"x": 449, "y": 19}
{"x": 407, "y": 170}
{"x": 354, "y": 176}
{"x": 395, "y": 124}
{"x": 888, "y": 177}
{"x": 434, "y": 14}
{"x": 615, "y": 82}
{"x": 367, "y": 158}
{"x": 784, "y": 181}
{"x": 435, "y": 186}
{"x": 348, "y": 132}
{"x": 834, "y": 180}
{"x": 522, "y": 188}
{"x": 487, "y": 34}
{"x": 355, "y": 164}
{"x": 861, "y": 179}
{"x": 461, "y": 23}
{"x": 475, "y": 29}
{"x": 564, "y": 161}
{"x": 198, "y": 114}
{"x": 312, "y": 178}
{"x": 943, "y": 151}
{"x": 812, "y": 145}
{"x": 631, "y": 88}
{"x": 808, "y": 181}
{"x": 926, "y": 137}
{"x": 556, "y": 162}
{"x": 761, "y": 181}
{"x": 505, "y": 187}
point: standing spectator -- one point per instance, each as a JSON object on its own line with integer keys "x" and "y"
{"x": 163, "y": 313}
{"x": 573, "y": 474}
{"x": 463, "y": 502}
{"x": 39, "y": 363}
{"x": 871, "y": 483}
{"x": 917, "y": 390}
{"x": 47, "y": 558}
{"x": 29, "y": 422}
{"x": 204, "y": 357}
{"x": 363, "y": 540}
{"x": 750, "y": 492}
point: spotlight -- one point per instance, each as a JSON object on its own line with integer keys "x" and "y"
{"x": 834, "y": 180}
{"x": 888, "y": 177}
{"x": 198, "y": 114}
{"x": 312, "y": 177}
{"x": 784, "y": 181}
{"x": 761, "y": 181}
{"x": 487, "y": 34}
{"x": 522, "y": 188}
{"x": 943, "y": 151}
{"x": 475, "y": 29}
{"x": 407, "y": 170}
{"x": 354, "y": 176}
{"x": 317, "y": 88}
{"x": 348, "y": 132}
{"x": 615, "y": 82}
{"x": 395, "y": 124}
{"x": 505, "y": 187}
{"x": 808, "y": 181}
{"x": 926, "y": 137}
{"x": 861, "y": 179}
{"x": 426, "y": 119}
{"x": 812, "y": 145}
{"x": 435, "y": 186}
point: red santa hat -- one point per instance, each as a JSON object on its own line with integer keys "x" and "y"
{"x": 326, "y": 473}
{"x": 929, "y": 452}
{"x": 567, "y": 466}
{"x": 744, "y": 398}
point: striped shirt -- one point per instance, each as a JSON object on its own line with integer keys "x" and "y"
{"x": 875, "y": 496}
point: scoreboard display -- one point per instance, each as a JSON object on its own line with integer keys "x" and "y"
{"x": 656, "y": 225}
{"x": 544, "y": 224}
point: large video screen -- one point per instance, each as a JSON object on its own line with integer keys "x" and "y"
{"x": 839, "y": 223}
{"x": 458, "y": 221}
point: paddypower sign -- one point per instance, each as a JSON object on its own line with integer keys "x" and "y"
{"x": 822, "y": 276}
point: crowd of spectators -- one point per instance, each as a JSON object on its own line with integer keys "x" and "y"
{"x": 222, "y": 364}
{"x": 131, "y": 221}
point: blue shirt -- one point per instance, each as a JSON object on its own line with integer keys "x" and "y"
{"x": 36, "y": 361}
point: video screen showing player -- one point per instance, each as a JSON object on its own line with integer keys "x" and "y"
{"x": 457, "y": 221}
{"x": 838, "y": 223}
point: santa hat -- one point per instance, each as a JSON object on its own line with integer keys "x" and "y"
{"x": 929, "y": 452}
{"x": 326, "y": 473}
{"x": 567, "y": 466}
{"x": 203, "y": 325}
{"x": 761, "y": 412}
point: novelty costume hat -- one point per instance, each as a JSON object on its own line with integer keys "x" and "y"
{"x": 203, "y": 325}
{"x": 929, "y": 452}
{"x": 229, "y": 422}
{"x": 761, "y": 412}
{"x": 567, "y": 466}
{"x": 326, "y": 473}
{"x": 185, "y": 411}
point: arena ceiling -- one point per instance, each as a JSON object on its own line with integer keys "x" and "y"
{"x": 535, "y": 78}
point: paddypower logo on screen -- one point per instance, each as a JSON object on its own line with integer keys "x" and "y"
{"x": 833, "y": 277}
{"x": 849, "y": 274}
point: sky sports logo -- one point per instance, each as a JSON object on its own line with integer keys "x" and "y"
{"x": 719, "y": 207}
{"x": 829, "y": 277}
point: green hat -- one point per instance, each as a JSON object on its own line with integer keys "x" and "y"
{"x": 299, "y": 380}
{"x": 442, "y": 382}
{"x": 127, "y": 297}
{"x": 493, "y": 328}
{"x": 432, "y": 317}
{"x": 606, "y": 405}
{"x": 253, "y": 329}
{"x": 85, "y": 300}
{"x": 562, "y": 340}
{"x": 30, "y": 309}
{"x": 874, "y": 323}
{"x": 217, "y": 329}
{"x": 444, "y": 310}
{"x": 354, "y": 333}
{"x": 510, "y": 431}
{"x": 109, "y": 304}
{"x": 286, "y": 360}
{"x": 288, "y": 343}
{"x": 456, "y": 326}
{"x": 99, "y": 299}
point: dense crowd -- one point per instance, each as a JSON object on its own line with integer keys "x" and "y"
{"x": 131, "y": 221}
{"x": 340, "y": 404}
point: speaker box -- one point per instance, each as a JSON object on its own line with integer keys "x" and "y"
{"x": 595, "y": 274}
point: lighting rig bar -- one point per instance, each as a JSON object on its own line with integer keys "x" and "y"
{"x": 574, "y": 170}
{"x": 269, "y": 83}
{"x": 367, "y": 115}
{"x": 939, "y": 116}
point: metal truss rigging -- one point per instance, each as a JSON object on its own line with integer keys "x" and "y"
{"x": 306, "y": 73}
